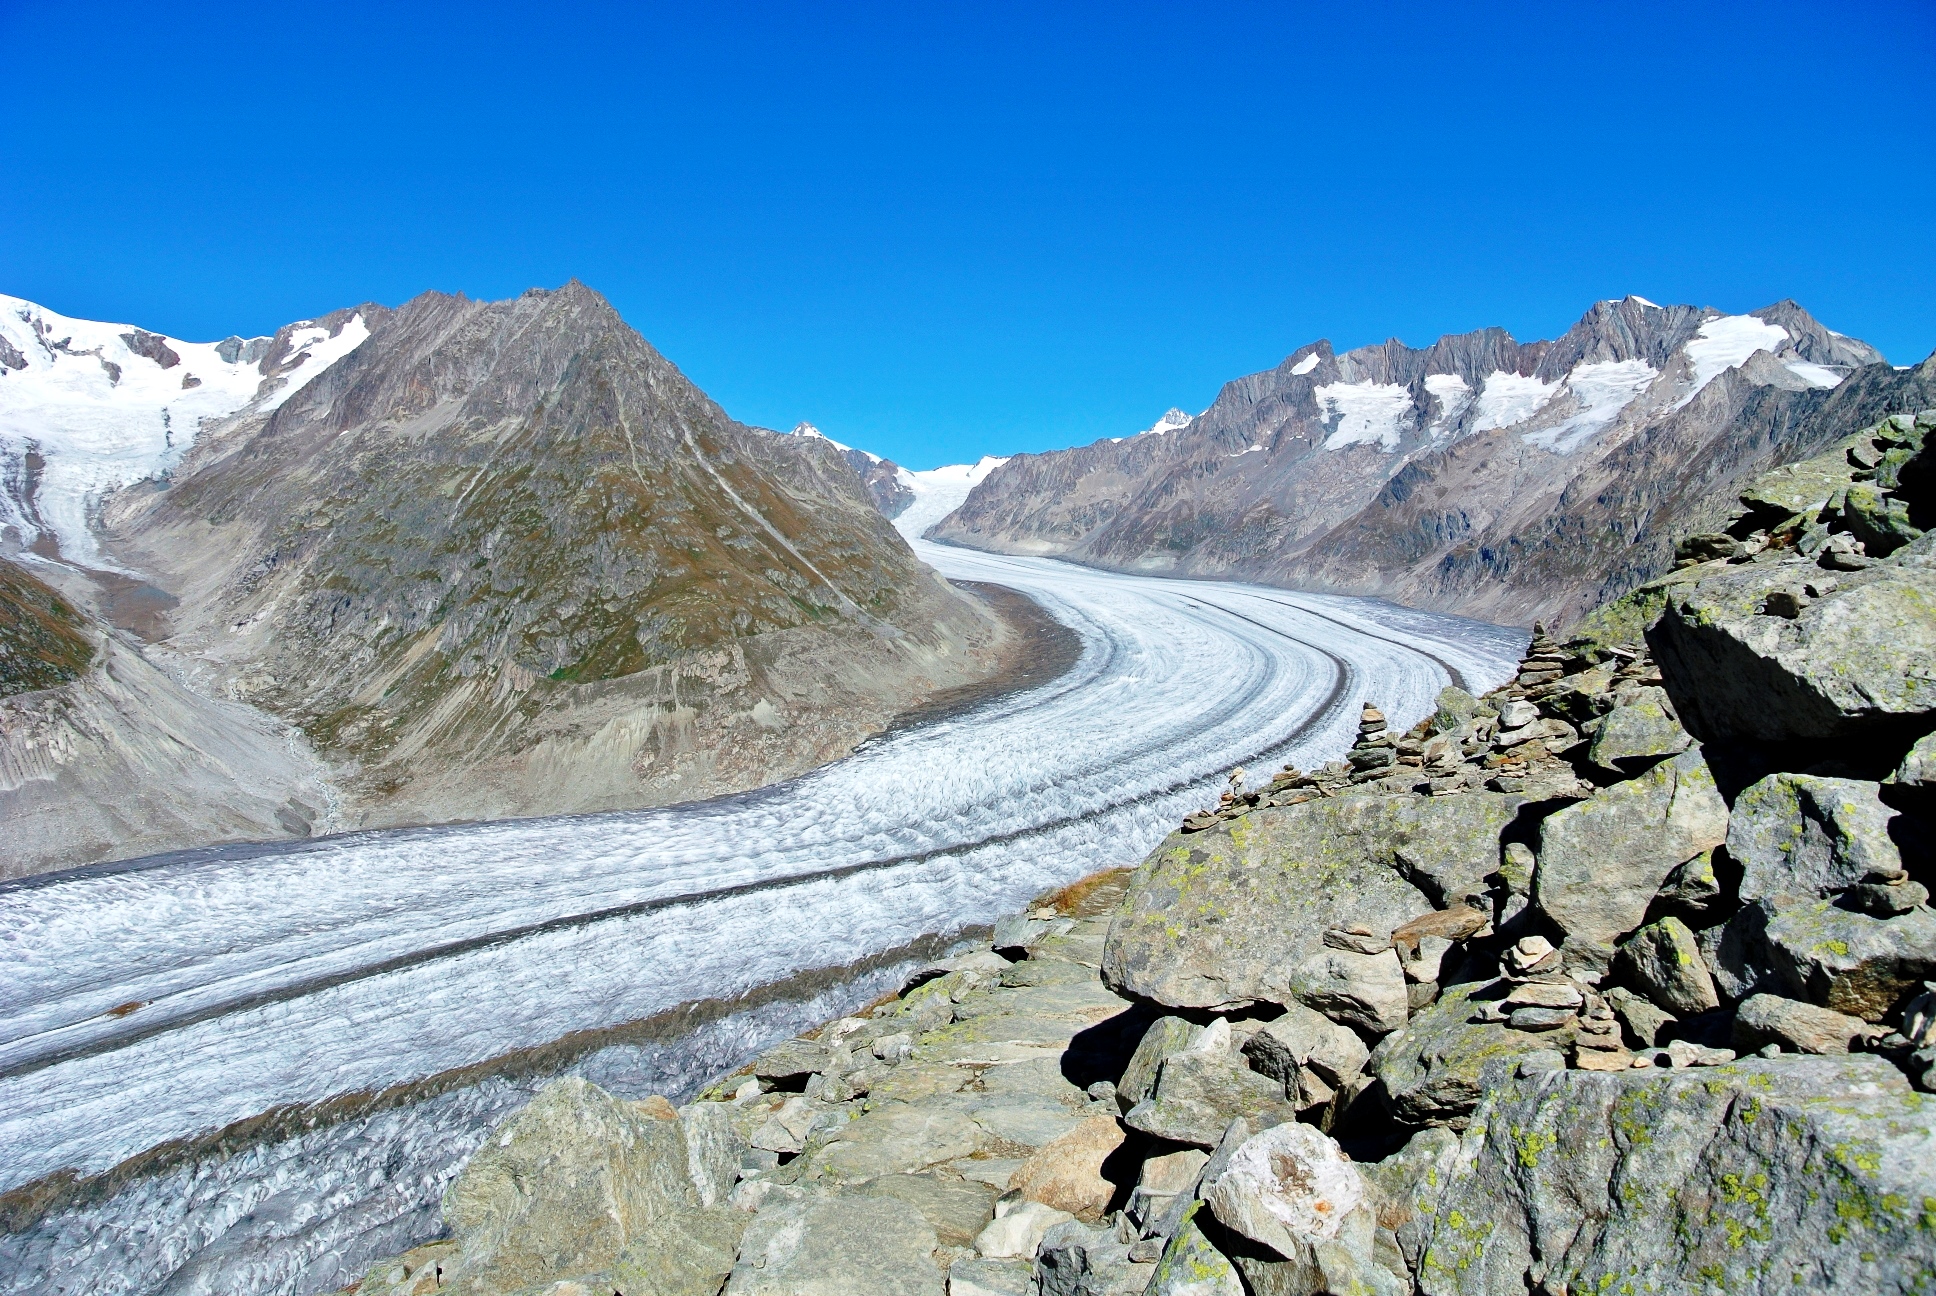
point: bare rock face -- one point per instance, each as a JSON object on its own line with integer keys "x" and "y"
{"x": 1480, "y": 474}
{"x": 503, "y": 558}
{"x": 1807, "y": 1174}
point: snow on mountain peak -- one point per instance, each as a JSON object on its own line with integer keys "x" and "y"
{"x": 1306, "y": 365}
{"x": 105, "y": 405}
{"x": 1725, "y": 342}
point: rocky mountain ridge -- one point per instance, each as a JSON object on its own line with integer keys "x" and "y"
{"x": 492, "y": 559}
{"x": 1620, "y": 978}
{"x": 1481, "y": 475}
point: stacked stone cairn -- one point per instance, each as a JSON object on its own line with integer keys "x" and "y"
{"x": 1618, "y": 978}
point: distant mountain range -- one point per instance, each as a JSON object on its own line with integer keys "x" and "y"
{"x": 446, "y": 561}
{"x": 1504, "y": 480}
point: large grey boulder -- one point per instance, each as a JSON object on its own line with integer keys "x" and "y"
{"x": 1802, "y": 836}
{"x": 1799, "y": 1174}
{"x": 1215, "y": 918}
{"x": 1166, "y": 1035}
{"x": 1077, "y": 1259}
{"x": 1765, "y": 1019}
{"x": 562, "y": 1186}
{"x": 1362, "y": 990}
{"x": 837, "y": 1245}
{"x": 1304, "y": 1038}
{"x": 687, "y": 1253}
{"x": 1198, "y": 1094}
{"x": 1636, "y": 733}
{"x": 1860, "y": 658}
{"x": 1664, "y": 960}
{"x": 1408, "y": 1184}
{"x": 1850, "y": 962}
{"x": 1431, "y": 1069}
{"x": 1602, "y": 860}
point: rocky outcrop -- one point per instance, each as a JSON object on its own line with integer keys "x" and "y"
{"x": 1505, "y": 480}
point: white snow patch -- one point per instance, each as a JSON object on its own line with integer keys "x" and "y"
{"x": 1602, "y": 391}
{"x": 316, "y": 351}
{"x": 1249, "y": 449}
{"x": 1813, "y": 374}
{"x": 1365, "y": 411}
{"x": 96, "y": 432}
{"x": 1725, "y": 342}
{"x": 1306, "y": 365}
{"x": 1508, "y": 398}
{"x": 806, "y": 429}
{"x": 1454, "y": 394}
{"x": 1636, "y": 297}
{"x": 1174, "y": 421}
{"x": 939, "y": 492}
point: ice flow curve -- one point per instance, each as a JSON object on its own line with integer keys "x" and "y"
{"x": 289, "y": 974}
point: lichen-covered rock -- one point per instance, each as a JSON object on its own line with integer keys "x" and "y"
{"x": 1431, "y": 1068}
{"x": 1664, "y": 960}
{"x": 1849, "y": 961}
{"x": 1079, "y": 1260}
{"x": 1166, "y": 1035}
{"x": 1800, "y": 1174}
{"x": 1192, "y": 1267}
{"x": 1197, "y": 1095}
{"x": 1602, "y": 860}
{"x": 562, "y": 1186}
{"x": 1640, "y": 731}
{"x": 1800, "y": 835}
{"x": 1859, "y": 659}
{"x": 1304, "y": 1037}
{"x": 825, "y": 1245}
{"x": 1213, "y": 918}
{"x": 1407, "y": 1185}
{"x": 1918, "y": 768}
{"x": 686, "y": 1253}
{"x": 1362, "y": 990}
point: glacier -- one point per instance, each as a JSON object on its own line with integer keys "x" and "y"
{"x": 387, "y": 996}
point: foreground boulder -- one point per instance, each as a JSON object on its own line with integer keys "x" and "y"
{"x": 1218, "y": 919}
{"x": 1800, "y": 835}
{"x": 581, "y": 1182}
{"x": 1602, "y": 860}
{"x": 1783, "y": 653}
{"x": 1804, "y": 1174}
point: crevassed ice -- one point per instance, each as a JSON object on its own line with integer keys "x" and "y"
{"x": 1367, "y": 412}
{"x": 1601, "y": 390}
{"x": 1725, "y": 342}
{"x": 1509, "y": 398}
{"x": 1454, "y": 395}
{"x": 95, "y": 431}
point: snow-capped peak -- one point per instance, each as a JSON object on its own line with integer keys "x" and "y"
{"x": 1174, "y": 421}
{"x": 806, "y": 429}
{"x": 105, "y": 405}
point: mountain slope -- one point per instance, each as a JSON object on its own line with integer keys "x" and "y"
{"x": 502, "y": 558}
{"x": 1479, "y": 474}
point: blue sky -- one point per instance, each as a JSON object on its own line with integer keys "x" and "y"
{"x": 942, "y": 230}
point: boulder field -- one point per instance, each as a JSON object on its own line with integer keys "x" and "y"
{"x": 1619, "y": 979}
